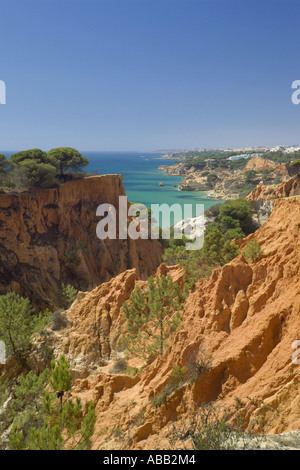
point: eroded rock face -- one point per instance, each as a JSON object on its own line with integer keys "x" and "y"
{"x": 93, "y": 327}
{"x": 259, "y": 163}
{"x": 284, "y": 189}
{"x": 49, "y": 237}
{"x": 241, "y": 323}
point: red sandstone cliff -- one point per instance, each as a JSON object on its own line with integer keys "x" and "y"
{"x": 259, "y": 164}
{"x": 49, "y": 237}
{"x": 243, "y": 320}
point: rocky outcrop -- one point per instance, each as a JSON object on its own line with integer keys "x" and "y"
{"x": 233, "y": 186}
{"x": 287, "y": 188}
{"x": 226, "y": 184}
{"x": 91, "y": 335}
{"x": 93, "y": 330}
{"x": 260, "y": 164}
{"x": 241, "y": 324}
{"x": 49, "y": 237}
{"x": 262, "y": 209}
{"x": 177, "y": 169}
{"x": 194, "y": 182}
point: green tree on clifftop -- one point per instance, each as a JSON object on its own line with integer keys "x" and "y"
{"x": 3, "y": 163}
{"x": 67, "y": 158}
{"x": 37, "y": 155}
{"x": 34, "y": 168}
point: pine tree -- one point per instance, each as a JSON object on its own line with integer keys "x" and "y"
{"x": 58, "y": 424}
{"x": 87, "y": 428}
{"x": 66, "y": 296}
{"x": 15, "y": 323}
{"x": 18, "y": 323}
{"x": 216, "y": 249}
{"x": 252, "y": 250}
{"x": 61, "y": 378}
{"x": 45, "y": 438}
{"x": 152, "y": 315}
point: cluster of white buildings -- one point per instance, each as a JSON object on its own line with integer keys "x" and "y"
{"x": 291, "y": 149}
{"x": 244, "y": 155}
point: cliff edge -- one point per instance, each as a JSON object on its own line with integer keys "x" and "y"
{"x": 49, "y": 237}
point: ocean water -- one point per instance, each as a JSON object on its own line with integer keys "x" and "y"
{"x": 141, "y": 179}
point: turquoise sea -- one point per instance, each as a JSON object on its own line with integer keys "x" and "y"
{"x": 141, "y": 178}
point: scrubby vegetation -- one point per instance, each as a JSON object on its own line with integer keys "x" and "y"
{"x": 180, "y": 376}
{"x": 279, "y": 156}
{"x": 252, "y": 250}
{"x": 120, "y": 365}
{"x": 176, "y": 379}
{"x": 217, "y": 427}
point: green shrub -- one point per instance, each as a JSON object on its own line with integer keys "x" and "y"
{"x": 216, "y": 250}
{"x": 59, "y": 320}
{"x": 250, "y": 176}
{"x": 66, "y": 296}
{"x": 177, "y": 375}
{"x": 117, "y": 432}
{"x": 18, "y": 323}
{"x": 132, "y": 371}
{"x": 270, "y": 191}
{"x": 239, "y": 210}
{"x": 4, "y": 384}
{"x": 38, "y": 175}
{"x": 198, "y": 368}
{"x": 177, "y": 378}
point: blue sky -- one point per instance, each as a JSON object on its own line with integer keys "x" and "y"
{"x": 149, "y": 74}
